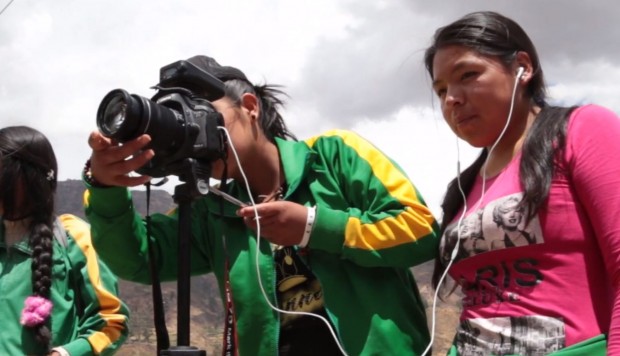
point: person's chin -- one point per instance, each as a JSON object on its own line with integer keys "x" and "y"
{"x": 473, "y": 141}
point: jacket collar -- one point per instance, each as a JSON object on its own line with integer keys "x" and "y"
{"x": 297, "y": 158}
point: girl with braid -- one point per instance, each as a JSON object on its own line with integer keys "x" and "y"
{"x": 547, "y": 185}
{"x": 335, "y": 228}
{"x": 56, "y": 298}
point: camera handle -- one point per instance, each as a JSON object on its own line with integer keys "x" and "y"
{"x": 184, "y": 194}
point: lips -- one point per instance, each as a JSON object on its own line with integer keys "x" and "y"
{"x": 461, "y": 119}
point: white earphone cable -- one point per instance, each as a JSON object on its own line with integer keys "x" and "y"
{"x": 258, "y": 238}
{"x": 454, "y": 252}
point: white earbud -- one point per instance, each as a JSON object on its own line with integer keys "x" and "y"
{"x": 520, "y": 72}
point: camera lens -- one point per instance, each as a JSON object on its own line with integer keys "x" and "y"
{"x": 123, "y": 117}
{"x": 177, "y": 129}
{"x": 119, "y": 116}
{"x": 114, "y": 116}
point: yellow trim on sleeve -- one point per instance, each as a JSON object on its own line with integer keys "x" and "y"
{"x": 388, "y": 232}
{"x": 416, "y": 219}
{"x": 86, "y": 198}
{"x": 110, "y": 305}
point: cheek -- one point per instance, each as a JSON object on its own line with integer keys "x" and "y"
{"x": 445, "y": 112}
{"x": 446, "y": 117}
{"x": 217, "y": 169}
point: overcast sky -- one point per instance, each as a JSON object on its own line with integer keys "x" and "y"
{"x": 346, "y": 64}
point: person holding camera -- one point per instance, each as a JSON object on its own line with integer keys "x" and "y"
{"x": 315, "y": 261}
{"x": 58, "y": 298}
{"x": 547, "y": 185}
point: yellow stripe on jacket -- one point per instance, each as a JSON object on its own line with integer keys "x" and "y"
{"x": 415, "y": 219}
{"x": 110, "y": 305}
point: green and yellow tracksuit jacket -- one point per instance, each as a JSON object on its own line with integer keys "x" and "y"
{"x": 87, "y": 316}
{"x": 371, "y": 226}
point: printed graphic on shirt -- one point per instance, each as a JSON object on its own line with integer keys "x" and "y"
{"x": 501, "y": 281}
{"x": 527, "y": 335}
{"x": 499, "y": 225}
{"x": 299, "y": 290}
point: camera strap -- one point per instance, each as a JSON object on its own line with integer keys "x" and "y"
{"x": 230, "y": 322}
{"x": 159, "y": 318}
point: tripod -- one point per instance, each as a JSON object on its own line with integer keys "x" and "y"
{"x": 184, "y": 194}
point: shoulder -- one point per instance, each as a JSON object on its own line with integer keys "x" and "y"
{"x": 592, "y": 136}
{"x": 337, "y": 137}
{"x": 344, "y": 143}
{"x": 338, "y": 133}
{"x": 70, "y": 221}
{"x": 592, "y": 118}
{"x": 77, "y": 228}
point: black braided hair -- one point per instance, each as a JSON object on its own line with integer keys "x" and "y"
{"x": 28, "y": 180}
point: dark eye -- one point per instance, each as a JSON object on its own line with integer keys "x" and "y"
{"x": 440, "y": 92}
{"x": 468, "y": 75}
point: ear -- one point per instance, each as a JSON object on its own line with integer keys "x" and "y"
{"x": 523, "y": 61}
{"x": 249, "y": 103}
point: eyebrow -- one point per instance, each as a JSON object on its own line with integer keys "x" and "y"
{"x": 458, "y": 66}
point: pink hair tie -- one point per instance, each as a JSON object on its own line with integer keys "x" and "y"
{"x": 36, "y": 311}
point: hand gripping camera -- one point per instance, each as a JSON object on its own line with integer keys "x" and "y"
{"x": 182, "y": 122}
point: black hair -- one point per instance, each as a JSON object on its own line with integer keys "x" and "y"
{"x": 28, "y": 179}
{"x": 495, "y": 35}
{"x": 270, "y": 102}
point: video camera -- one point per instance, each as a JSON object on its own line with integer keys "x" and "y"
{"x": 180, "y": 119}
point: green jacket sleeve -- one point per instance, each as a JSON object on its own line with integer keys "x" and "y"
{"x": 119, "y": 235}
{"x": 385, "y": 221}
{"x": 102, "y": 327}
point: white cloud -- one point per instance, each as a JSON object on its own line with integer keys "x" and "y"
{"x": 418, "y": 139}
{"x": 346, "y": 64}
{"x": 596, "y": 81}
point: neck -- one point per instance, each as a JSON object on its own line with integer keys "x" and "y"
{"x": 15, "y": 231}
{"x": 264, "y": 172}
{"x": 512, "y": 141}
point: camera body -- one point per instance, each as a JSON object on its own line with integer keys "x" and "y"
{"x": 180, "y": 119}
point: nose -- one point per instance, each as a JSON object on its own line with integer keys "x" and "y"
{"x": 454, "y": 97}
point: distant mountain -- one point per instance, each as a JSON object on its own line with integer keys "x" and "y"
{"x": 70, "y": 193}
{"x": 206, "y": 319}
